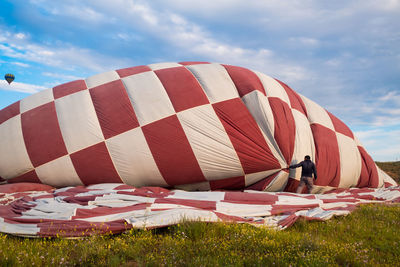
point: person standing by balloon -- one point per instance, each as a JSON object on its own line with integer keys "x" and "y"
{"x": 307, "y": 171}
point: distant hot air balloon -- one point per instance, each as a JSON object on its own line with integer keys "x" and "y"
{"x": 9, "y": 77}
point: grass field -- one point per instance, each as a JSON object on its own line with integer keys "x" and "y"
{"x": 369, "y": 236}
{"x": 392, "y": 168}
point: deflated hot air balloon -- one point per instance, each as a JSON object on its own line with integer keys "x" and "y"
{"x": 190, "y": 125}
{"x": 9, "y": 78}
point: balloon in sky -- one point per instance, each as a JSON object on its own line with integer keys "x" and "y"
{"x": 189, "y": 125}
{"x": 9, "y": 77}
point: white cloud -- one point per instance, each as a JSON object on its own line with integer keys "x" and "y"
{"x": 20, "y": 64}
{"x": 21, "y": 87}
{"x": 382, "y": 143}
{"x": 64, "y": 56}
{"x": 185, "y": 35}
{"x": 306, "y": 41}
{"x": 20, "y": 35}
{"x": 61, "y": 76}
{"x": 391, "y": 96}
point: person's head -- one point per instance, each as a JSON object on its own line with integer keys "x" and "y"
{"x": 307, "y": 157}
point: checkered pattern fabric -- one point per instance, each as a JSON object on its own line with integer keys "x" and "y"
{"x": 189, "y": 125}
{"x": 34, "y": 210}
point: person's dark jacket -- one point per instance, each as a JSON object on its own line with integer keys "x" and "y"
{"x": 308, "y": 168}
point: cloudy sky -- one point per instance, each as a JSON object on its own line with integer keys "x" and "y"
{"x": 344, "y": 55}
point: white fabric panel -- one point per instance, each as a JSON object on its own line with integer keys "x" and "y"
{"x": 298, "y": 199}
{"x": 209, "y": 196}
{"x": 253, "y": 178}
{"x": 133, "y": 159}
{"x": 303, "y": 144}
{"x": 279, "y": 183}
{"x": 272, "y": 87}
{"x": 258, "y": 106}
{"x": 165, "y": 65}
{"x": 350, "y": 161}
{"x": 244, "y": 210}
{"x": 59, "y": 173}
{"x": 171, "y": 217}
{"x": 78, "y": 121}
{"x": 316, "y": 114}
{"x": 19, "y": 229}
{"x": 358, "y": 142}
{"x": 215, "y": 80}
{"x": 101, "y": 78}
{"x": 14, "y": 159}
{"x": 148, "y": 96}
{"x": 210, "y": 143}
{"x": 104, "y": 187}
{"x": 384, "y": 177}
{"x": 36, "y": 100}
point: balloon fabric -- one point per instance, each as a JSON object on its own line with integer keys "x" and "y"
{"x": 187, "y": 125}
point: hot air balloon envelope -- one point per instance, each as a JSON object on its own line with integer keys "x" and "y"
{"x": 189, "y": 125}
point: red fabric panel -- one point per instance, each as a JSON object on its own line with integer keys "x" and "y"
{"x": 279, "y": 209}
{"x": 80, "y": 228}
{"x": 340, "y": 127}
{"x": 261, "y": 185}
{"x": 251, "y": 198}
{"x": 80, "y": 200}
{"x": 363, "y": 180}
{"x": 114, "y": 109}
{"x": 340, "y": 200}
{"x": 183, "y": 89}
{"x": 292, "y": 185}
{"x": 29, "y": 177}
{"x": 94, "y": 165}
{"x": 246, "y": 137}
{"x": 229, "y": 218}
{"x": 124, "y": 187}
{"x": 369, "y": 171}
{"x": 245, "y": 80}
{"x": 132, "y": 71}
{"x": 295, "y": 100}
{"x": 68, "y": 88}
{"x": 9, "y": 112}
{"x": 386, "y": 185}
{"x": 234, "y": 183}
{"x": 102, "y": 211}
{"x": 327, "y": 156}
{"x": 22, "y": 187}
{"x": 289, "y": 221}
{"x": 295, "y": 195}
{"x": 42, "y": 134}
{"x": 186, "y": 63}
{"x": 172, "y": 152}
{"x": 200, "y": 204}
{"x": 285, "y": 127}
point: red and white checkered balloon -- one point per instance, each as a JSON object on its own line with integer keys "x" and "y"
{"x": 191, "y": 125}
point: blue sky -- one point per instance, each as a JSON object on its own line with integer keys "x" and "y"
{"x": 344, "y": 55}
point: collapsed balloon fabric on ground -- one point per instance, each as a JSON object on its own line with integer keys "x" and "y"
{"x": 189, "y": 125}
{"x": 37, "y": 210}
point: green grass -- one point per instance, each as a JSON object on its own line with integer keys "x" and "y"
{"x": 371, "y": 235}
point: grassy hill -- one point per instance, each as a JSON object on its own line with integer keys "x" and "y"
{"x": 392, "y": 168}
{"x": 369, "y": 236}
